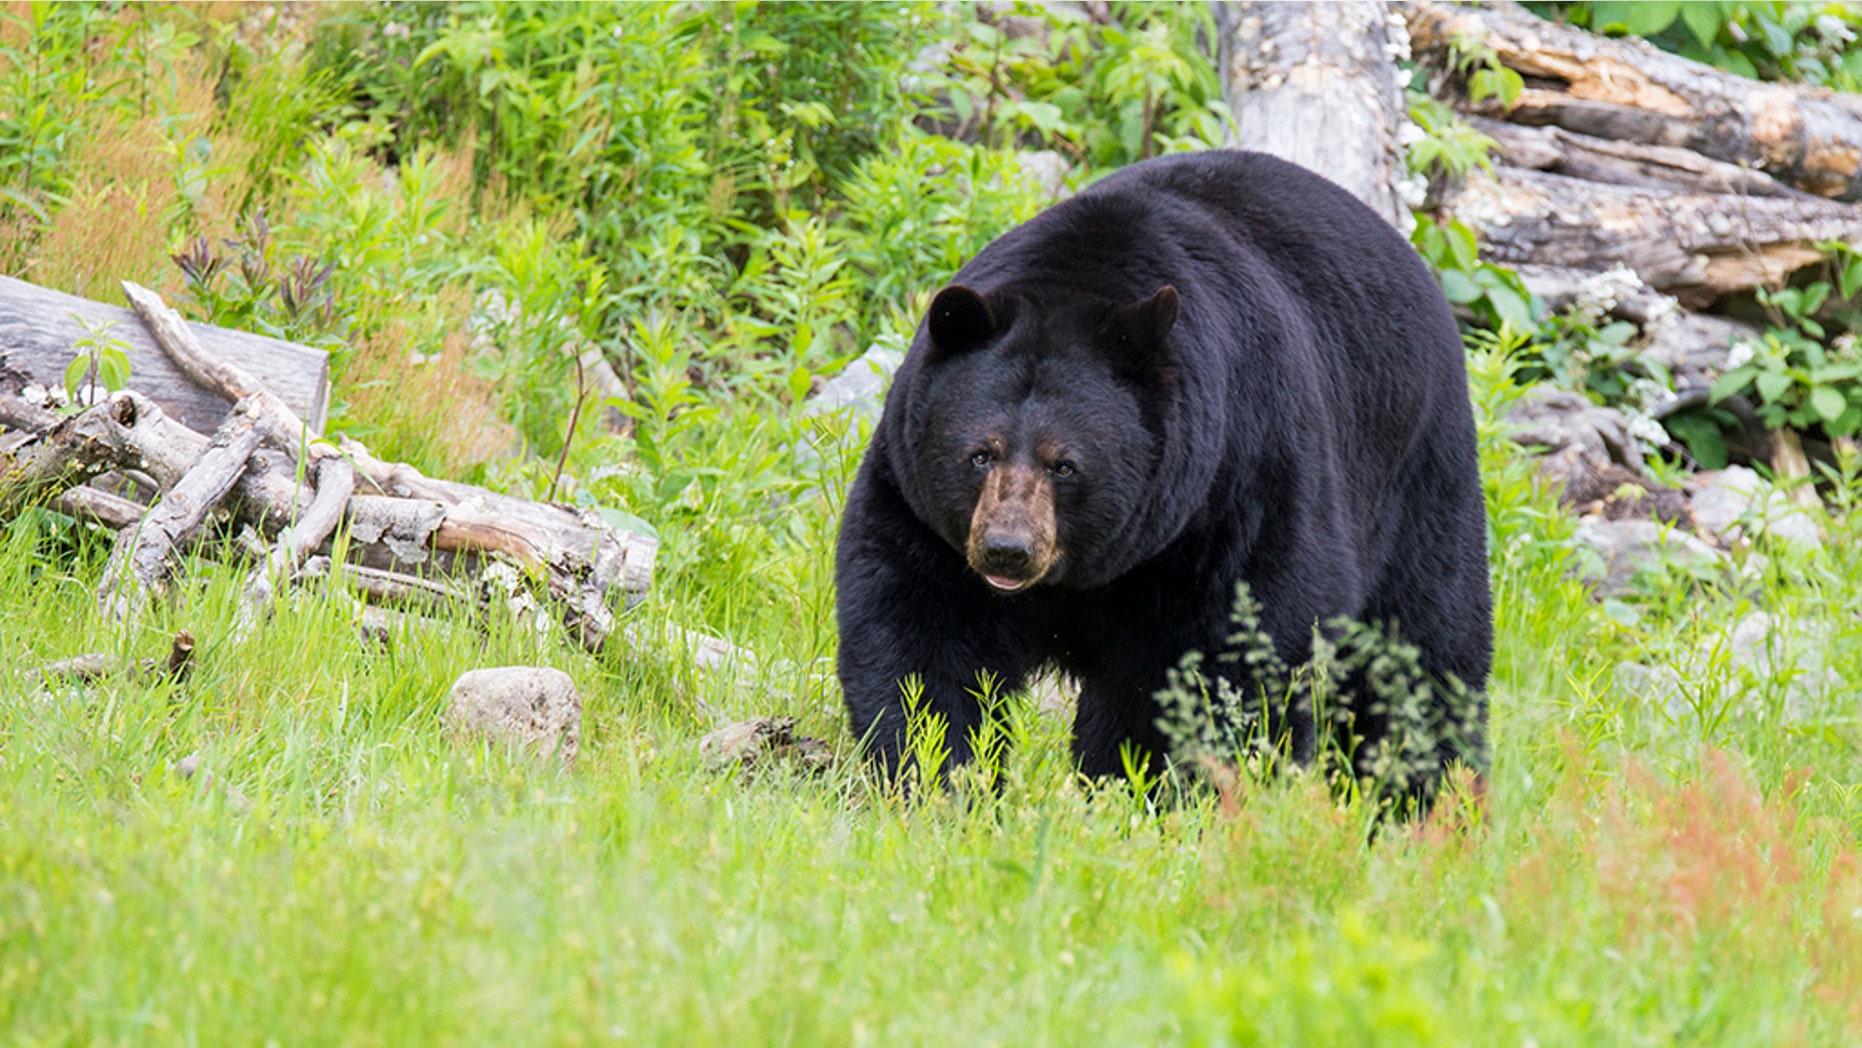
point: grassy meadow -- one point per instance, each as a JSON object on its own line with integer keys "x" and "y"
{"x": 459, "y": 202}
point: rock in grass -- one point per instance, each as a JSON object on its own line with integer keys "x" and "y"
{"x": 533, "y": 707}
{"x": 1616, "y": 550}
{"x": 760, "y": 742}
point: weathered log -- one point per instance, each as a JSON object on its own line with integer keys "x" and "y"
{"x": 96, "y": 506}
{"x": 1695, "y": 246}
{"x": 38, "y": 328}
{"x": 214, "y": 373}
{"x": 336, "y": 482}
{"x": 93, "y": 667}
{"x": 1809, "y": 138}
{"x": 140, "y": 564}
{"x": 1315, "y": 83}
{"x": 533, "y": 534}
{"x": 1563, "y": 152}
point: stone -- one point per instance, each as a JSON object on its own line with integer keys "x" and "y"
{"x": 1735, "y": 502}
{"x": 757, "y": 743}
{"x": 535, "y": 708}
{"x": 855, "y": 395}
{"x": 1619, "y": 549}
{"x": 1760, "y": 652}
{"x": 1555, "y": 419}
{"x": 1046, "y": 169}
{"x": 859, "y": 386}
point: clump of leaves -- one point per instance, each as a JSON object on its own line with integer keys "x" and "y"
{"x": 99, "y": 358}
{"x": 1494, "y": 295}
{"x": 1810, "y": 43}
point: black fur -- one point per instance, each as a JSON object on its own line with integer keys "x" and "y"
{"x": 1253, "y": 378}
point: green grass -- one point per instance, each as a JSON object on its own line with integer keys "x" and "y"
{"x": 1635, "y": 877}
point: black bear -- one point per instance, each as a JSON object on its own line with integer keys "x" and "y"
{"x": 1207, "y": 369}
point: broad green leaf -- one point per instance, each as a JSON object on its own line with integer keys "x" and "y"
{"x": 1772, "y": 386}
{"x": 1732, "y": 382}
{"x": 1829, "y": 402}
{"x": 1512, "y": 307}
{"x": 1704, "y": 21}
{"x": 1852, "y": 277}
{"x": 75, "y": 372}
{"x": 1464, "y": 245}
{"x": 1458, "y": 287}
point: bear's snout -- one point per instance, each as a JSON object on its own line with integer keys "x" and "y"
{"x": 1012, "y": 532}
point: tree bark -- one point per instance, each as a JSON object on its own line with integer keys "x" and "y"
{"x": 1315, "y": 83}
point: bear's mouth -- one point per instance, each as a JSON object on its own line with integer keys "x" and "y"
{"x": 1006, "y": 584}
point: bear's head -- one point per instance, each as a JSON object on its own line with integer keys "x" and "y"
{"x": 1038, "y": 432}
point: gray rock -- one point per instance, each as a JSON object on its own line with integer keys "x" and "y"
{"x": 857, "y": 394}
{"x": 1736, "y": 501}
{"x": 533, "y": 707}
{"x": 1785, "y": 652}
{"x": 1619, "y": 549}
{"x": 1660, "y": 685}
{"x": 859, "y": 386}
{"x": 1760, "y": 652}
{"x": 1047, "y": 169}
{"x": 1556, "y": 419}
{"x": 755, "y": 743}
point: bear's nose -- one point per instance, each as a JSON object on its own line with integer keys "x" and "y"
{"x": 1007, "y": 553}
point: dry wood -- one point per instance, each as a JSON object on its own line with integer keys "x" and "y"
{"x": 336, "y": 482}
{"x": 1695, "y": 246}
{"x": 1791, "y": 467}
{"x": 38, "y": 328}
{"x": 96, "y": 666}
{"x": 1809, "y": 138}
{"x": 140, "y": 564}
{"x": 96, "y": 506}
{"x": 1563, "y": 152}
{"x": 1314, "y": 83}
{"x": 215, "y": 373}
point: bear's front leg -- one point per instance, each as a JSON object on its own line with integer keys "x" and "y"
{"x": 910, "y": 609}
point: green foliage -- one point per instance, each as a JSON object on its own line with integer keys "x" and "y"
{"x": 1449, "y": 146}
{"x": 1493, "y": 294}
{"x": 1768, "y": 40}
{"x": 99, "y": 358}
{"x": 473, "y": 202}
{"x": 1106, "y": 93}
{"x": 66, "y": 69}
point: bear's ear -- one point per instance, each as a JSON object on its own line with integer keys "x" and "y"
{"x": 1138, "y": 330}
{"x": 960, "y": 321}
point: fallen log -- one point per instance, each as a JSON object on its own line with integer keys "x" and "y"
{"x": 38, "y": 328}
{"x": 1568, "y": 153}
{"x": 1693, "y": 245}
{"x": 1808, "y": 138}
{"x": 143, "y": 558}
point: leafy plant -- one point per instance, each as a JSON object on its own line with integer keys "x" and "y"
{"x": 1797, "y": 380}
{"x": 1763, "y": 39}
{"x": 100, "y": 358}
{"x": 1493, "y": 294}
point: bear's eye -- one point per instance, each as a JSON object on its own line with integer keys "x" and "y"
{"x": 981, "y": 459}
{"x": 1062, "y": 468}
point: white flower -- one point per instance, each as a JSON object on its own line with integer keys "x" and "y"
{"x": 1740, "y": 354}
{"x": 1648, "y": 433}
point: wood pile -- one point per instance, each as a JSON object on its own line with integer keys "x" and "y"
{"x": 1704, "y": 183}
{"x": 314, "y": 506}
